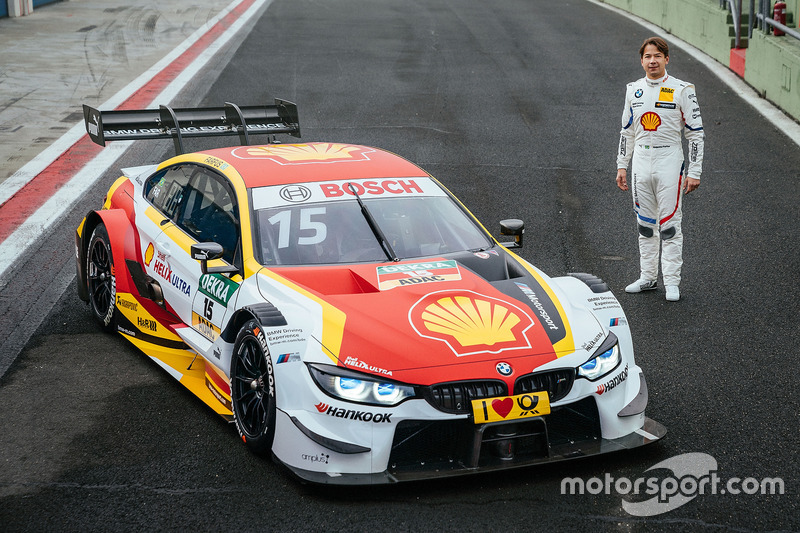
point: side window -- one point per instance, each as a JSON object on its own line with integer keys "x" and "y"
{"x": 165, "y": 190}
{"x": 209, "y": 213}
{"x": 199, "y": 202}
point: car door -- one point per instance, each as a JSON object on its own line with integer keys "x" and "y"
{"x": 211, "y": 215}
{"x": 198, "y": 206}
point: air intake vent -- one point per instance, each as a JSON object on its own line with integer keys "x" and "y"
{"x": 457, "y": 397}
{"x": 557, "y": 383}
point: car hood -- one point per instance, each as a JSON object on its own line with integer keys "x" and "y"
{"x": 450, "y": 318}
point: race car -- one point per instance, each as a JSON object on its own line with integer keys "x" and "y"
{"x": 345, "y": 311}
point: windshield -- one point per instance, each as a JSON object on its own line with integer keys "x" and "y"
{"x": 337, "y": 231}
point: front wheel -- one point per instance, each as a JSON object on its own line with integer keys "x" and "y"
{"x": 100, "y": 280}
{"x": 253, "y": 388}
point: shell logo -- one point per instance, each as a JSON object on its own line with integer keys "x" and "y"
{"x": 471, "y": 323}
{"x": 148, "y": 254}
{"x": 304, "y": 153}
{"x": 650, "y": 121}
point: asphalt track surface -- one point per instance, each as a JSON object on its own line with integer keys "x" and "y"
{"x": 514, "y": 106}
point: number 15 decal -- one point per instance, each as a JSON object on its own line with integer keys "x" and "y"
{"x": 284, "y": 221}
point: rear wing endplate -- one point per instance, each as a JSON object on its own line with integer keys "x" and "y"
{"x": 177, "y": 124}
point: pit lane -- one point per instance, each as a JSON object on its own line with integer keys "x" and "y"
{"x": 515, "y": 107}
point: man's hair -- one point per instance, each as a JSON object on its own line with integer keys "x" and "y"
{"x": 658, "y": 42}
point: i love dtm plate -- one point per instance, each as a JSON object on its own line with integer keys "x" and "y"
{"x": 511, "y": 407}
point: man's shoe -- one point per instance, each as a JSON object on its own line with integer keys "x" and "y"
{"x": 673, "y": 293}
{"x": 641, "y": 285}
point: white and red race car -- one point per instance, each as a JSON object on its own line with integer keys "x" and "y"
{"x": 346, "y": 311}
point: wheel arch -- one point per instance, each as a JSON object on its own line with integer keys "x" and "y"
{"x": 594, "y": 283}
{"x": 265, "y": 313}
{"x": 82, "y": 236}
{"x": 117, "y": 224}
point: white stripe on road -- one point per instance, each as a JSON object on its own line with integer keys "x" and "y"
{"x": 62, "y": 201}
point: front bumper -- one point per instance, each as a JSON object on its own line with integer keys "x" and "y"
{"x": 425, "y": 449}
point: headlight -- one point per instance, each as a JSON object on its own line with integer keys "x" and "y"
{"x": 360, "y": 388}
{"x": 604, "y": 361}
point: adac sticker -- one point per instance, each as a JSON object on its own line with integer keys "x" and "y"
{"x": 393, "y": 276}
{"x": 205, "y": 327}
{"x": 471, "y": 323}
{"x": 666, "y": 94}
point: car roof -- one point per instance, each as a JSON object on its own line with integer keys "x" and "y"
{"x": 276, "y": 164}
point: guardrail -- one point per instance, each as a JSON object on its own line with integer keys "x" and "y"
{"x": 762, "y": 20}
{"x": 736, "y": 12}
{"x": 765, "y": 20}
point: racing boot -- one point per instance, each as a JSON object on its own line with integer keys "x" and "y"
{"x": 673, "y": 293}
{"x": 640, "y": 285}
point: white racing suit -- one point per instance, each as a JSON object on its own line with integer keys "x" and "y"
{"x": 656, "y": 113}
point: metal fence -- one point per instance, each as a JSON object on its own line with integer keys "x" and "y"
{"x": 736, "y": 11}
{"x": 765, "y": 20}
{"x": 761, "y": 20}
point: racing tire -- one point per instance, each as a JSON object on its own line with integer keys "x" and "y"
{"x": 253, "y": 388}
{"x": 100, "y": 279}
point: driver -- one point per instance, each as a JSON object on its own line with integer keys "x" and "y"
{"x": 658, "y": 108}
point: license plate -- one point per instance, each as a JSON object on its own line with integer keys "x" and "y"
{"x": 511, "y": 407}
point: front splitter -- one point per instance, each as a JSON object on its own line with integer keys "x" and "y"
{"x": 649, "y": 433}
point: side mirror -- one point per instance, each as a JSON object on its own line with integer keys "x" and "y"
{"x": 208, "y": 251}
{"x": 515, "y": 228}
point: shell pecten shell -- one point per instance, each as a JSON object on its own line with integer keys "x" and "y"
{"x": 650, "y": 121}
{"x": 305, "y": 152}
{"x": 471, "y": 321}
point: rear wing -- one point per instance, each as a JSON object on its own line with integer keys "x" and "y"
{"x": 177, "y": 124}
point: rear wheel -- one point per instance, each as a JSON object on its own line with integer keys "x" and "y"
{"x": 100, "y": 280}
{"x": 253, "y": 388}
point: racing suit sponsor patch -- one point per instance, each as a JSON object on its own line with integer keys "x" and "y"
{"x": 651, "y": 121}
{"x": 667, "y": 94}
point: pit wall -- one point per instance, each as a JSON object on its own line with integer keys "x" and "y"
{"x": 770, "y": 64}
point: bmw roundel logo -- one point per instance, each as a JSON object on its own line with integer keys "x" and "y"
{"x": 295, "y": 193}
{"x": 638, "y": 93}
{"x": 504, "y": 369}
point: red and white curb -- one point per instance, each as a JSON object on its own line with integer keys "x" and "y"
{"x": 38, "y": 195}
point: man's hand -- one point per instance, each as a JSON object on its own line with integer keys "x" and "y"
{"x": 622, "y": 179}
{"x": 691, "y": 184}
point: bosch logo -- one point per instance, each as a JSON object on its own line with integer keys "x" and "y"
{"x": 295, "y": 193}
{"x": 504, "y": 369}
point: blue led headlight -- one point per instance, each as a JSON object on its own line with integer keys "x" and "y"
{"x": 357, "y": 387}
{"x": 604, "y": 360}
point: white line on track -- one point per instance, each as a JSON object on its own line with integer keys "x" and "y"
{"x": 59, "y": 204}
{"x": 46, "y": 216}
